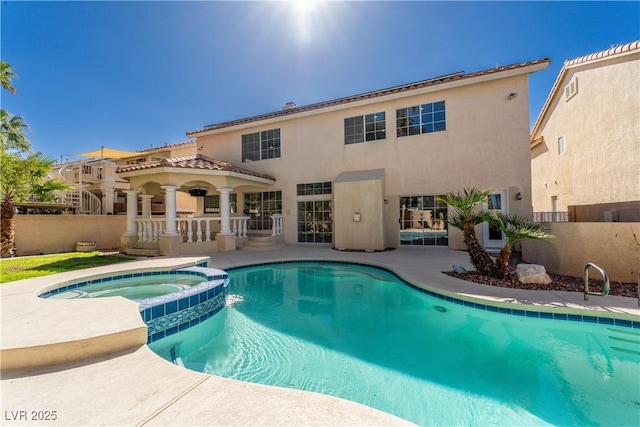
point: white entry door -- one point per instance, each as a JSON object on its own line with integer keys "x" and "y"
{"x": 493, "y": 237}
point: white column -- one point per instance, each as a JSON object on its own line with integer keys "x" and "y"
{"x": 170, "y": 209}
{"x": 225, "y": 210}
{"x": 132, "y": 211}
{"x": 146, "y": 205}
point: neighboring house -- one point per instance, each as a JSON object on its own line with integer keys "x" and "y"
{"x": 585, "y": 144}
{"x": 95, "y": 187}
{"x": 361, "y": 172}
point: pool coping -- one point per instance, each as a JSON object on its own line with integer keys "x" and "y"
{"x": 251, "y": 404}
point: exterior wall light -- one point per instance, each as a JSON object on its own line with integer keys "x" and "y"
{"x": 518, "y": 195}
{"x": 512, "y": 95}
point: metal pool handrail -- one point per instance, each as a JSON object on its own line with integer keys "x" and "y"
{"x": 605, "y": 277}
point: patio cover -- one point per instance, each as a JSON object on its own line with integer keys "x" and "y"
{"x": 109, "y": 153}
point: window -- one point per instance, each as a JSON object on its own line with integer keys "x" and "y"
{"x": 370, "y": 127}
{"x": 261, "y": 145}
{"x": 423, "y": 221}
{"x": 212, "y": 204}
{"x": 315, "y": 216}
{"x": 561, "y": 145}
{"x": 314, "y": 188}
{"x": 315, "y": 222}
{"x": 260, "y": 207}
{"x": 425, "y": 118}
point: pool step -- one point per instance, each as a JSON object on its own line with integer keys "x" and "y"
{"x": 625, "y": 341}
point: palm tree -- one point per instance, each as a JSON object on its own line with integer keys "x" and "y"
{"x": 515, "y": 228}
{"x": 465, "y": 217}
{"x": 12, "y": 133}
{"x": 21, "y": 179}
{"x": 6, "y": 75}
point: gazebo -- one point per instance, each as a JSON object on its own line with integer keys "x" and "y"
{"x": 193, "y": 176}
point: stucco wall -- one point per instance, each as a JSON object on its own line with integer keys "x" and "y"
{"x": 486, "y": 144}
{"x": 59, "y": 233}
{"x": 359, "y": 224}
{"x": 602, "y": 136}
{"x": 611, "y": 246}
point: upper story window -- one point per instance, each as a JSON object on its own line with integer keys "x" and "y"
{"x": 425, "y": 118}
{"x": 261, "y": 145}
{"x": 314, "y": 188}
{"x": 562, "y": 146}
{"x": 571, "y": 89}
{"x": 370, "y": 127}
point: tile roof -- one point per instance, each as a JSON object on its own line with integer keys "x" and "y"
{"x": 196, "y": 161}
{"x": 374, "y": 94}
{"x": 604, "y": 53}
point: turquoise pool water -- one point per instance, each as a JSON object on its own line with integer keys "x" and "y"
{"x": 361, "y": 334}
{"x": 137, "y": 288}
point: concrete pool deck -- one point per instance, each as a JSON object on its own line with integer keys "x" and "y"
{"x": 86, "y": 359}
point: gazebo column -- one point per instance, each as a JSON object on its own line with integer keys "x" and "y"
{"x": 132, "y": 212}
{"x": 170, "y": 240}
{"x": 225, "y": 210}
{"x": 146, "y": 205}
{"x": 130, "y": 236}
{"x": 225, "y": 238}
{"x": 170, "y": 209}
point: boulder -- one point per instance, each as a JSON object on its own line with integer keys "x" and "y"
{"x": 532, "y": 273}
{"x": 459, "y": 269}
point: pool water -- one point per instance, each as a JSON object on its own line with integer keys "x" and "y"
{"x": 359, "y": 333}
{"x": 137, "y": 288}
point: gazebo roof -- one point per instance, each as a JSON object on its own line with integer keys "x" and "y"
{"x": 196, "y": 161}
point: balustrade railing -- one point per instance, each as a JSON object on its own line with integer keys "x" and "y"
{"x": 278, "y": 224}
{"x": 197, "y": 229}
{"x": 551, "y": 217}
{"x": 149, "y": 230}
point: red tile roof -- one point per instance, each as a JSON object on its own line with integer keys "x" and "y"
{"x": 374, "y": 94}
{"x": 196, "y": 161}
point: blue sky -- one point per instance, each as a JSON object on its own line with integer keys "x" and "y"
{"x": 131, "y": 74}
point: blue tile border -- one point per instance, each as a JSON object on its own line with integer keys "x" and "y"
{"x": 520, "y": 311}
{"x": 201, "y": 270}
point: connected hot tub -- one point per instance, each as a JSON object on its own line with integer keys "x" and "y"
{"x": 170, "y": 301}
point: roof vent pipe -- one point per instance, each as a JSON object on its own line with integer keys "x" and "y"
{"x": 289, "y": 106}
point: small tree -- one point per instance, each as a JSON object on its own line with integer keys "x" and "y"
{"x": 22, "y": 172}
{"x": 466, "y": 216}
{"x": 515, "y": 228}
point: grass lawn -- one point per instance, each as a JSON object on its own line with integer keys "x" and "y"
{"x": 12, "y": 269}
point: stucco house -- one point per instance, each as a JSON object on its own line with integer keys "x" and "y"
{"x": 361, "y": 172}
{"x": 585, "y": 144}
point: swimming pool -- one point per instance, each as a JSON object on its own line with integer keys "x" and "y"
{"x": 360, "y": 333}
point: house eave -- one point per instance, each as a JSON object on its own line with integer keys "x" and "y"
{"x": 277, "y": 117}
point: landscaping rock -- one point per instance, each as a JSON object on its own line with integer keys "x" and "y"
{"x": 459, "y": 269}
{"x": 532, "y": 273}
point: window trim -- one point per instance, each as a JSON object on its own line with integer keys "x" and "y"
{"x": 415, "y": 119}
{"x": 363, "y": 134}
{"x": 262, "y": 141}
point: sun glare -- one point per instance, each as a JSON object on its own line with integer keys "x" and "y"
{"x": 303, "y": 11}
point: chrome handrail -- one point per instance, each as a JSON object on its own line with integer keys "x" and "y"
{"x": 605, "y": 277}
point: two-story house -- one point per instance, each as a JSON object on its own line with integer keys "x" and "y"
{"x": 361, "y": 172}
{"x": 585, "y": 144}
